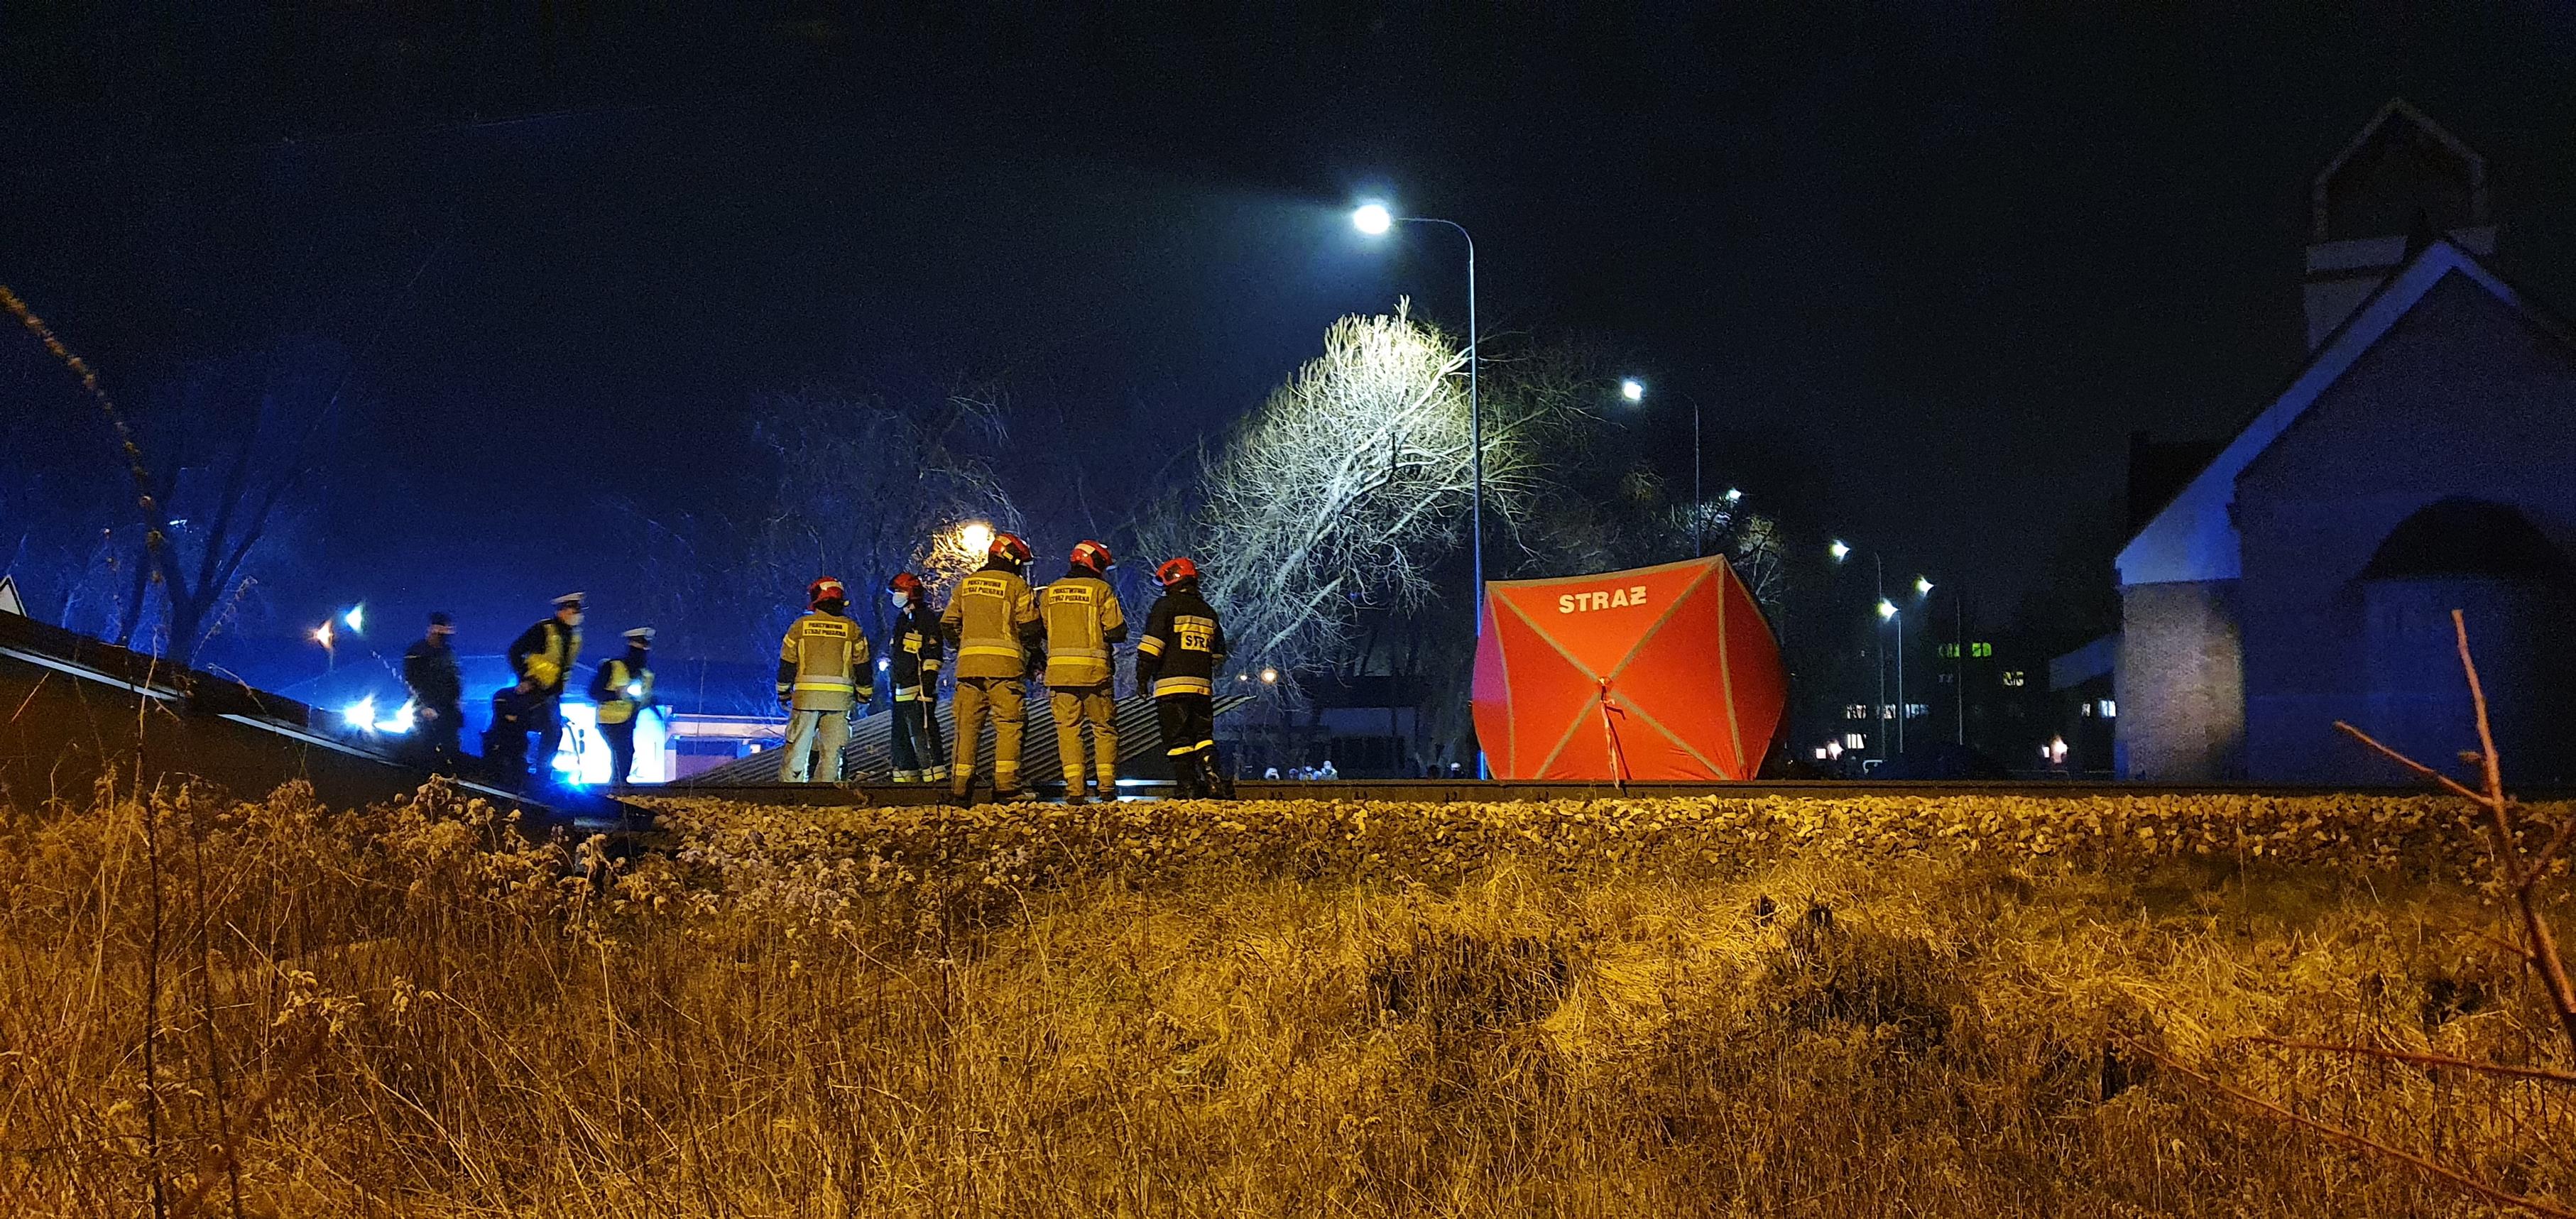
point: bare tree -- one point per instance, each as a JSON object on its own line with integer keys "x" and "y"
{"x": 1347, "y": 486}
{"x": 861, "y": 487}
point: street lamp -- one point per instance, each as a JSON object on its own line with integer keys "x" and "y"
{"x": 1373, "y": 219}
{"x": 1841, "y": 552}
{"x": 1634, "y": 390}
{"x": 975, "y": 537}
{"x": 1922, "y": 586}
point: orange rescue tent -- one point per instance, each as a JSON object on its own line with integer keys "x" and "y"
{"x": 1662, "y": 672}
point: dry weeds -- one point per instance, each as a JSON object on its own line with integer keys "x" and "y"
{"x": 1790, "y": 1006}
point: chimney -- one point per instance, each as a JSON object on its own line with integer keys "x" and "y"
{"x": 2400, "y": 182}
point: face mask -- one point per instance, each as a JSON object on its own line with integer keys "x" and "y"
{"x": 576, "y": 618}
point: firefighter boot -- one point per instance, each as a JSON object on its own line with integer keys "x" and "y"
{"x": 1217, "y": 784}
{"x": 1185, "y": 777}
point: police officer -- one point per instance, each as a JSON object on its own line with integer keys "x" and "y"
{"x": 919, "y": 755}
{"x": 623, "y": 690}
{"x": 1177, "y": 662}
{"x": 437, "y": 693}
{"x": 1082, "y": 619}
{"x": 824, "y": 678}
{"x": 544, "y": 656}
{"x": 992, "y": 624}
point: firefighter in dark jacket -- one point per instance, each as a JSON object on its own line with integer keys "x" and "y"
{"x": 992, "y": 625}
{"x": 544, "y": 657}
{"x": 913, "y": 662}
{"x": 824, "y": 678}
{"x": 1082, "y": 620}
{"x": 622, "y": 689}
{"x": 437, "y": 694}
{"x": 1177, "y": 661}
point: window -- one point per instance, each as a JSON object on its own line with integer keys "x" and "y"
{"x": 1887, "y": 711}
{"x": 2109, "y": 709}
{"x": 1981, "y": 650}
{"x": 1854, "y": 740}
{"x": 2015, "y": 678}
{"x": 1916, "y": 711}
{"x": 2085, "y": 710}
{"x": 1855, "y": 711}
{"x": 1949, "y": 651}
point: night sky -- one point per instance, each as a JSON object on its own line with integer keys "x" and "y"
{"x": 1926, "y": 266}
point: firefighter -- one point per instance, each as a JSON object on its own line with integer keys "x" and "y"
{"x": 544, "y": 656}
{"x": 437, "y": 693}
{"x": 824, "y": 680}
{"x": 992, "y": 624}
{"x": 505, "y": 742}
{"x": 919, "y": 755}
{"x": 1176, "y": 662}
{"x": 1082, "y": 618}
{"x": 623, "y": 690}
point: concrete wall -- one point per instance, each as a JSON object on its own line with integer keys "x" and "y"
{"x": 2180, "y": 684}
{"x": 2463, "y": 397}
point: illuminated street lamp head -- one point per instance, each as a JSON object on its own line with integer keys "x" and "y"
{"x": 1841, "y": 552}
{"x": 1632, "y": 389}
{"x": 1886, "y": 608}
{"x": 1270, "y": 676}
{"x": 1923, "y": 585}
{"x": 1733, "y": 495}
{"x": 356, "y": 618}
{"x": 322, "y": 635}
{"x": 975, "y": 537}
{"x": 1372, "y": 219}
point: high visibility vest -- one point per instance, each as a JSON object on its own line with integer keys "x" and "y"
{"x": 988, "y": 615}
{"x": 916, "y": 651}
{"x": 627, "y": 691}
{"x": 823, "y": 663}
{"x": 549, "y": 662}
{"x": 1082, "y": 618}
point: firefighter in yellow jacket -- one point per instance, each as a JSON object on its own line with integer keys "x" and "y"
{"x": 824, "y": 679}
{"x": 992, "y": 624}
{"x": 1082, "y": 619}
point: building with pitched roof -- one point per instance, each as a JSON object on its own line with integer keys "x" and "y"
{"x": 2423, "y": 459}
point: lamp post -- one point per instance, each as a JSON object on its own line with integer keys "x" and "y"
{"x": 1890, "y": 614}
{"x": 1374, "y": 220}
{"x": 1634, "y": 390}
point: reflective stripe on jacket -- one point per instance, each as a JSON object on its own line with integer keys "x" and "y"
{"x": 1082, "y": 619}
{"x": 823, "y": 664}
{"x": 991, "y": 618}
{"x": 915, "y": 653}
{"x": 1183, "y": 646}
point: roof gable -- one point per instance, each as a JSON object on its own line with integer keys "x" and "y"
{"x": 2194, "y": 538}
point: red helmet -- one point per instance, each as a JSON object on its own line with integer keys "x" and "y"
{"x": 906, "y": 583}
{"x": 825, "y": 589}
{"x": 1009, "y": 546}
{"x": 1174, "y": 571}
{"x": 1094, "y": 556}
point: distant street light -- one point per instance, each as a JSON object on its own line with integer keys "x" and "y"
{"x": 1373, "y": 219}
{"x": 1886, "y": 608}
{"x": 356, "y": 618}
{"x": 1634, "y": 390}
{"x": 1270, "y": 677}
{"x": 1841, "y": 552}
{"x": 975, "y": 537}
{"x": 1922, "y": 586}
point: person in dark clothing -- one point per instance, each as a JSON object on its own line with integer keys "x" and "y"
{"x": 544, "y": 657}
{"x": 505, "y": 743}
{"x": 623, "y": 691}
{"x": 1177, "y": 662}
{"x": 913, "y": 657}
{"x": 437, "y": 694}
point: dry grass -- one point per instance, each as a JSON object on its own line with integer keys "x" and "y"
{"x": 1925, "y": 1006}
